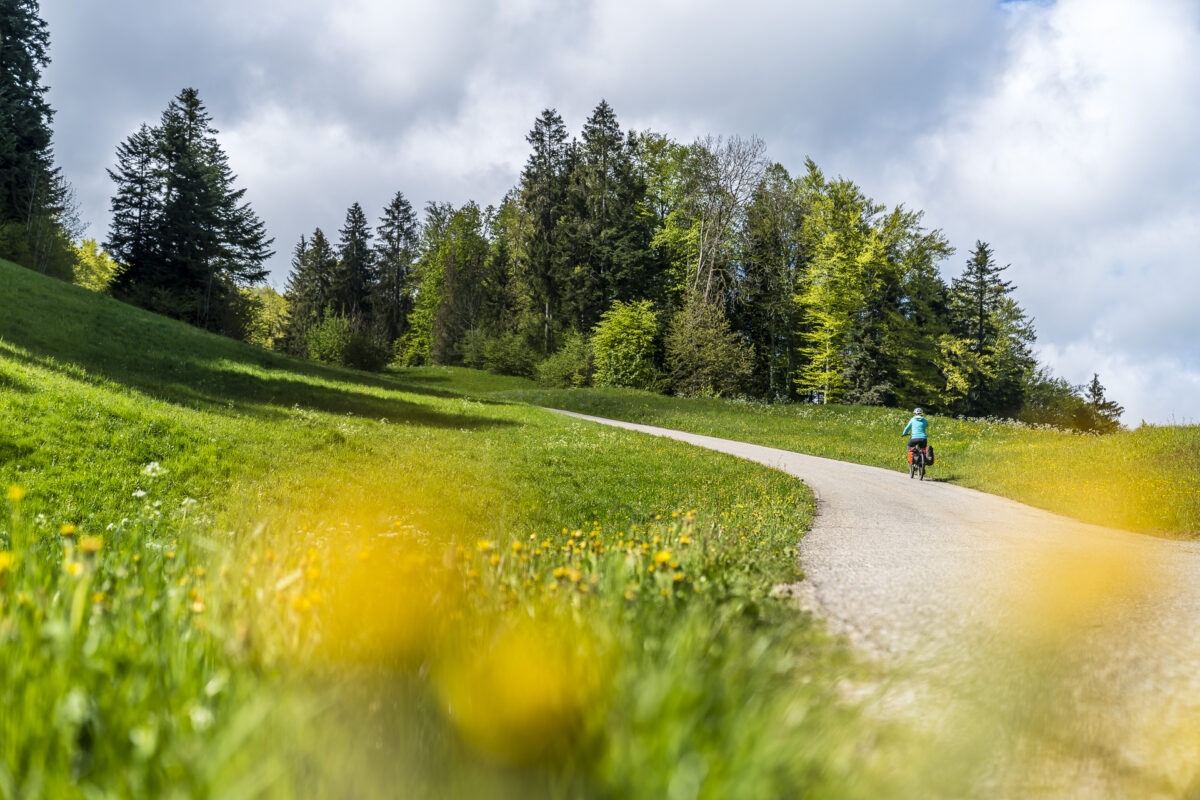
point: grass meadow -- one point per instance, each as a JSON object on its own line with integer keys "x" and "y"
{"x": 227, "y": 573}
{"x": 1145, "y": 480}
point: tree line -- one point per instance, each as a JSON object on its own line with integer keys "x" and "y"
{"x": 619, "y": 258}
{"x": 731, "y": 275}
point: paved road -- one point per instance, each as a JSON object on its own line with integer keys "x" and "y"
{"x": 1063, "y": 657}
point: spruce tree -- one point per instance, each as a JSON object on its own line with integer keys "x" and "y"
{"x": 976, "y": 296}
{"x": 26, "y": 162}
{"x": 395, "y": 252}
{"x": 544, "y": 197}
{"x": 204, "y": 240}
{"x": 1106, "y": 414}
{"x": 136, "y": 205}
{"x": 354, "y": 280}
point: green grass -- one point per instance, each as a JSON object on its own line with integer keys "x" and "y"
{"x": 1144, "y": 480}
{"x": 305, "y": 581}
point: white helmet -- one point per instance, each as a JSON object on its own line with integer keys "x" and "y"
{"x": 918, "y": 412}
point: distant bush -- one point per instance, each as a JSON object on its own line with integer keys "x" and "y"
{"x": 570, "y": 367}
{"x": 335, "y": 340}
{"x": 510, "y": 354}
{"x": 94, "y": 268}
{"x": 624, "y": 344}
{"x": 473, "y": 348}
{"x": 705, "y": 357}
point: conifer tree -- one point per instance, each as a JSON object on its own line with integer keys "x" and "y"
{"x": 395, "y": 252}
{"x": 1106, "y": 414}
{"x": 26, "y": 162}
{"x": 544, "y": 197}
{"x": 204, "y": 240}
{"x": 309, "y": 289}
{"x": 136, "y": 205}
{"x": 354, "y": 282}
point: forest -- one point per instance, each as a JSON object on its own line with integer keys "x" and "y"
{"x": 619, "y": 258}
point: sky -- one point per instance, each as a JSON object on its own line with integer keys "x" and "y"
{"x": 1062, "y": 133}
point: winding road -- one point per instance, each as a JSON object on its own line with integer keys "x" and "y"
{"x": 1062, "y": 658}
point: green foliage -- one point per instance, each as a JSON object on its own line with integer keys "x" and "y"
{"x": 395, "y": 253}
{"x": 705, "y": 357}
{"x": 570, "y": 366}
{"x": 343, "y": 340}
{"x": 329, "y": 339}
{"x": 94, "y": 269}
{"x": 510, "y": 354}
{"x": 184, "y": 235}
{"x": 268, "y": 318}
{"x": 624, "y": 344}
{"x": 28, "y": 179}
{"x": 353, "y": 279}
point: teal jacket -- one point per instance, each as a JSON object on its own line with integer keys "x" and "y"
{"x": 918, "y": 427}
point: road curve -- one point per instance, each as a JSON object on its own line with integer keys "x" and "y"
{"x": 1074, "y": 642}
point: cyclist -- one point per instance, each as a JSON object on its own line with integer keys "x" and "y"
{"x": 918, "y": 427}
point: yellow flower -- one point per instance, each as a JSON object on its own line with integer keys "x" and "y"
{"x": 6, "y": 561}
{"x": 662, "y": 557}
{"x": 495, "y": 559}
{"x": 90, "y": 544}
{"x": 517, "y": 547}
{"x": 68, "y": 529}
{"x": 16, "y": 493}
{"x": 98, "y": 598}
{"x": 685, "y": 540}
{"x": 74, "y": 569}
{"x": 483, "y": 545}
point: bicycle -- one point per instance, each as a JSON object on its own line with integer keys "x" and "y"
{"x": 916, "y": 462}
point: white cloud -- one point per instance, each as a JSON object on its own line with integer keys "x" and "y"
{"x": 1075, "y": 162}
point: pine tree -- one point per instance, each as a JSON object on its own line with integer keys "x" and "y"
{"x": 392, "y": 299}
{"x": 204, "y": 240}
{"x": 976, "y": 296}
{"x": 26, "y": 162}
{"x": 309, "y": 289}
{"x": 987, "y": 357}
{"x": 1106, "y": 413}
{"x": 135, "y": 206}
{"x": 354, "y": 282}
{"x": 544, "y": 197}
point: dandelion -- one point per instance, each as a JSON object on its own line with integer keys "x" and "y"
{"x": 6, "y": 561}
{"x": 662, "y": 557}
{"x": 74, "y": 569}
{"x": 97, "y": 598}
{"x": 90, "y": 544}
{"x": 517, "y": 547}
{"x": 484, "y": 546}
{"x": 68, "y": 530}
{"x": 16, "y": 493}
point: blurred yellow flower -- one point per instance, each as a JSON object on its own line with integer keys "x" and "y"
{"x": 6, "y": 561}
{"x": 662, "y": 557}
{"x": 73, "y": 569}
{"x": 90, "y": 544}
{"x": 68, "y": 529}
{"x": 16, "y": 493}
{"x": 483, "y": 545}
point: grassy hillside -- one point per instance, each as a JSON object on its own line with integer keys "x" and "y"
{"x": 227, "y": 573}
{"x": 1144, "y": 480}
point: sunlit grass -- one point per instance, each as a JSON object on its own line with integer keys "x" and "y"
{"x": 1143, "y": 480}
{"x": 227, "y": 573}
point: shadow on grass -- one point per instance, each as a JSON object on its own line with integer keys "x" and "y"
{"x": 223, "y": 385}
